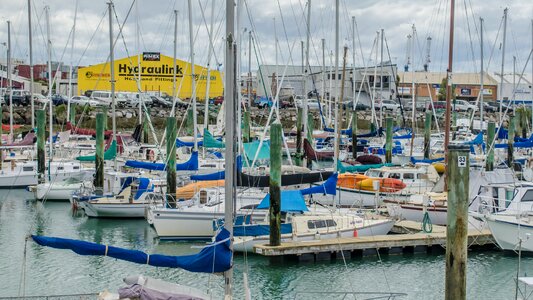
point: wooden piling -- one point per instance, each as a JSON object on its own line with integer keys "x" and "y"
{"x": 310, "y": 127}
{"x": 171, "y": 161}
{"x": 246, "y": 127}
{"x": 510, "y": 141}
{"x": 190, "y": 124}
{"x": 388, "y": 141}
{"x": 99, "y": 157}
{"x": 427, "y": 134}
{"x": 491, "y": 128}
{"x": 72, "y": 116}
{"x": 275, "y": 183}
{"x": 457, "y": 227}
{"x": 299, "y": 144}
{"x": 354, "y": 134}
{"x": 41, "y": 138}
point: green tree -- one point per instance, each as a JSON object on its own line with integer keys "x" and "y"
{"x": 442, "y": 89}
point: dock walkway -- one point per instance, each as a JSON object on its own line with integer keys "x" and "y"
{"x": 406, "y": 238}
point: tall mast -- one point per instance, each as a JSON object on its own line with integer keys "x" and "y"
{"x": 276, "y": 52}
{"x": 31, "y": 66}
{"x": 381, "y": 82}
{"x": 337, "y": 142}
{"x": 514, "y": 78}
{"x": 413, "y": 90}
{"x": 174, "y": 67}
{"x": 50, "y": 103}
{"x": 229, "y": 99}
{"x": 353, "y": 61}
{"x": 10, "y": 82}
{"x": 249, "y": 81}
{"x": 138, "y": 46}
{"x": 532, "y": 77}
{"x": 71, "y": 62}
{"x": 306, "y": 70}
{"x": 193, "y": 79}
{"x": 449, "y": 85}
{"x": 112, "y": 73}
{"x": 374, "y": 117}
{"x": 500, "y": 89}
{"x": 481, "y": 76}
{"x": 323, "y": 92}
{"x": 238, "y": 63}
{"x": 209, "y": 53}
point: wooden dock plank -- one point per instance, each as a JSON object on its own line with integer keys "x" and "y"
{"x": 475, "y": 237}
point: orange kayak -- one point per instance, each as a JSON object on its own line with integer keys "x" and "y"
{"x": 349, "y": 180}
{"x": 385, "y": 184}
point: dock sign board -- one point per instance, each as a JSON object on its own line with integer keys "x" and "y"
{"x": 461, "y": 161}
{"x": 151, "y": 56}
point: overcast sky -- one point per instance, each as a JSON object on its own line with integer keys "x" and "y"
{"x": 155, "y": 19}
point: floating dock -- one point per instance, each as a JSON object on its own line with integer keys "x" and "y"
{"x": 406, "y": 237}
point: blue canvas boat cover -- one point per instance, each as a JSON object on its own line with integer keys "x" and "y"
{"x": 426, "y": 161}
{"x": 359, "y": 168}
{"x": 144, "y": 186}
{"x": 180, "y": 143}
{"x": 291, "y": 201}
{"x": 478, "y": 140}
{"x": 217, "y": 175}
{"x": 213, "y": 258}
{"x": 328, "y": 187}
{"x": 190, "y": 165}
{"x": 258, "y": 230}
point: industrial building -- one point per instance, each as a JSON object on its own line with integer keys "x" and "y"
{"x": 156, "y": 74}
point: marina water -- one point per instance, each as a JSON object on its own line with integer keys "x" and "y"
{"x": 53, "y": 272}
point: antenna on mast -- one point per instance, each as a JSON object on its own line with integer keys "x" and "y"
{"x": 428, "y": 54}
{"x": 407, "y": 54}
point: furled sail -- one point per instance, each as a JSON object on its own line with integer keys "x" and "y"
{"x": 190, "y": 165}
{"x": 109, "y": 154}
{"x": 213, "y": 258}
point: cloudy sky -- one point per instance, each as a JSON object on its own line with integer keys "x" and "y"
{"x": 156, "y": 22}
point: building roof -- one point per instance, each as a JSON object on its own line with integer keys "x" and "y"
{"x": 436, "y": 78}
{"x": 508, "y": 78}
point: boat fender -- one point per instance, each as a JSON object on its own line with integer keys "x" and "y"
{"x": 355, "y": 233}
{"x": 151, "y": 155}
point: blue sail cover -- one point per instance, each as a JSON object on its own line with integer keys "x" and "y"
{"x": 190, "y": 165}
{"x": 478, "y": 140}
{"x": 291, "y": 201}
{"x": 258, "y": 230}
{"x": 217, "y": 175}
{"x": 213, "y": 258}
{"x": 359, "y": 168}
{"x": 502, "y": 133}
{"x": 329, "y": 187}
{"x": 426, "y": 161}
{"x": 528, "y": 144}
{"x": 180, "y": 143}
{"x": 144, "y": 186}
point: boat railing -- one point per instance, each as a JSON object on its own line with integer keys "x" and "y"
{"x": 490, "y": 204}
{"x": 56, "y": 297}
{"x": 348, "y": 295}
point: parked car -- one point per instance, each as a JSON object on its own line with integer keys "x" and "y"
{"x": 462, "y": 105}
{"x": 358, "y": 106}
{"x": 83, "y": 100}
{"x": 19, "y": 97}
{"x": 39, "y": 99}
{"x": 312, "y": 104}
{"x": 437, "y": 105}
{"x": 387, "y": 105}
{"x": 59, "y": 99}
{"x": 160, "y": 102}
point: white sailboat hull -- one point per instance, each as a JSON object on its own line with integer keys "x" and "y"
{"x": 437, "y": 215}
{"x": 113, "y": 210}
{"x": 506, "y": 231}
{"x": 55, "y": 191}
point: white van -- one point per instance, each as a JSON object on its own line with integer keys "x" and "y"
{"x": 104, "y": 97}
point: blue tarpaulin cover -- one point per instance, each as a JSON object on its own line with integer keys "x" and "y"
{"x": 258, "y": 230}
{"x": 190, "y": 165}
{"x": 217, "y": 175}
{"x": 426, "y": 161}
{"x": 180, "y": 143}
{"x": 478, "y": 140}
{"x": 328, "y": 187}
{"x": 291, "y": 201}
{"x": 213, "y": 258}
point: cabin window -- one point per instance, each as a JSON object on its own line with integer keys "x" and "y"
{"x": 27, "y": 169}
{"x": 208, "y": 166}
{"x": 76, "y": 167}
{"x": 316, "y": 224}
{"x": 394, "y": 175}
{"x": 528, "y": 196}
{"x": 60, "y": 168}
{"x": 408, "y": 176}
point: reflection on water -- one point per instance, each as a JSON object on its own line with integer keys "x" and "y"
{"x": 52, "y": 271}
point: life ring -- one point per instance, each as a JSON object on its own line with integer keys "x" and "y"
{"x": 151, "y": 155}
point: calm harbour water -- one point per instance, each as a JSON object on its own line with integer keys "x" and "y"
{"x": 51, "y": 271}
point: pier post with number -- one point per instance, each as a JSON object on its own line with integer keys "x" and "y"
{"x": 457, "y": 222}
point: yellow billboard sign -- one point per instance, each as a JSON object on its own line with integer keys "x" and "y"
{"x": 156, "y": 74}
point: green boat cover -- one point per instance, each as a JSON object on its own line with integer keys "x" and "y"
{"x": 211, "y": 142}
{"x": 358, "y": 168}
{"x": 109, "y": 154}
{"x": 251, "y": 148}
